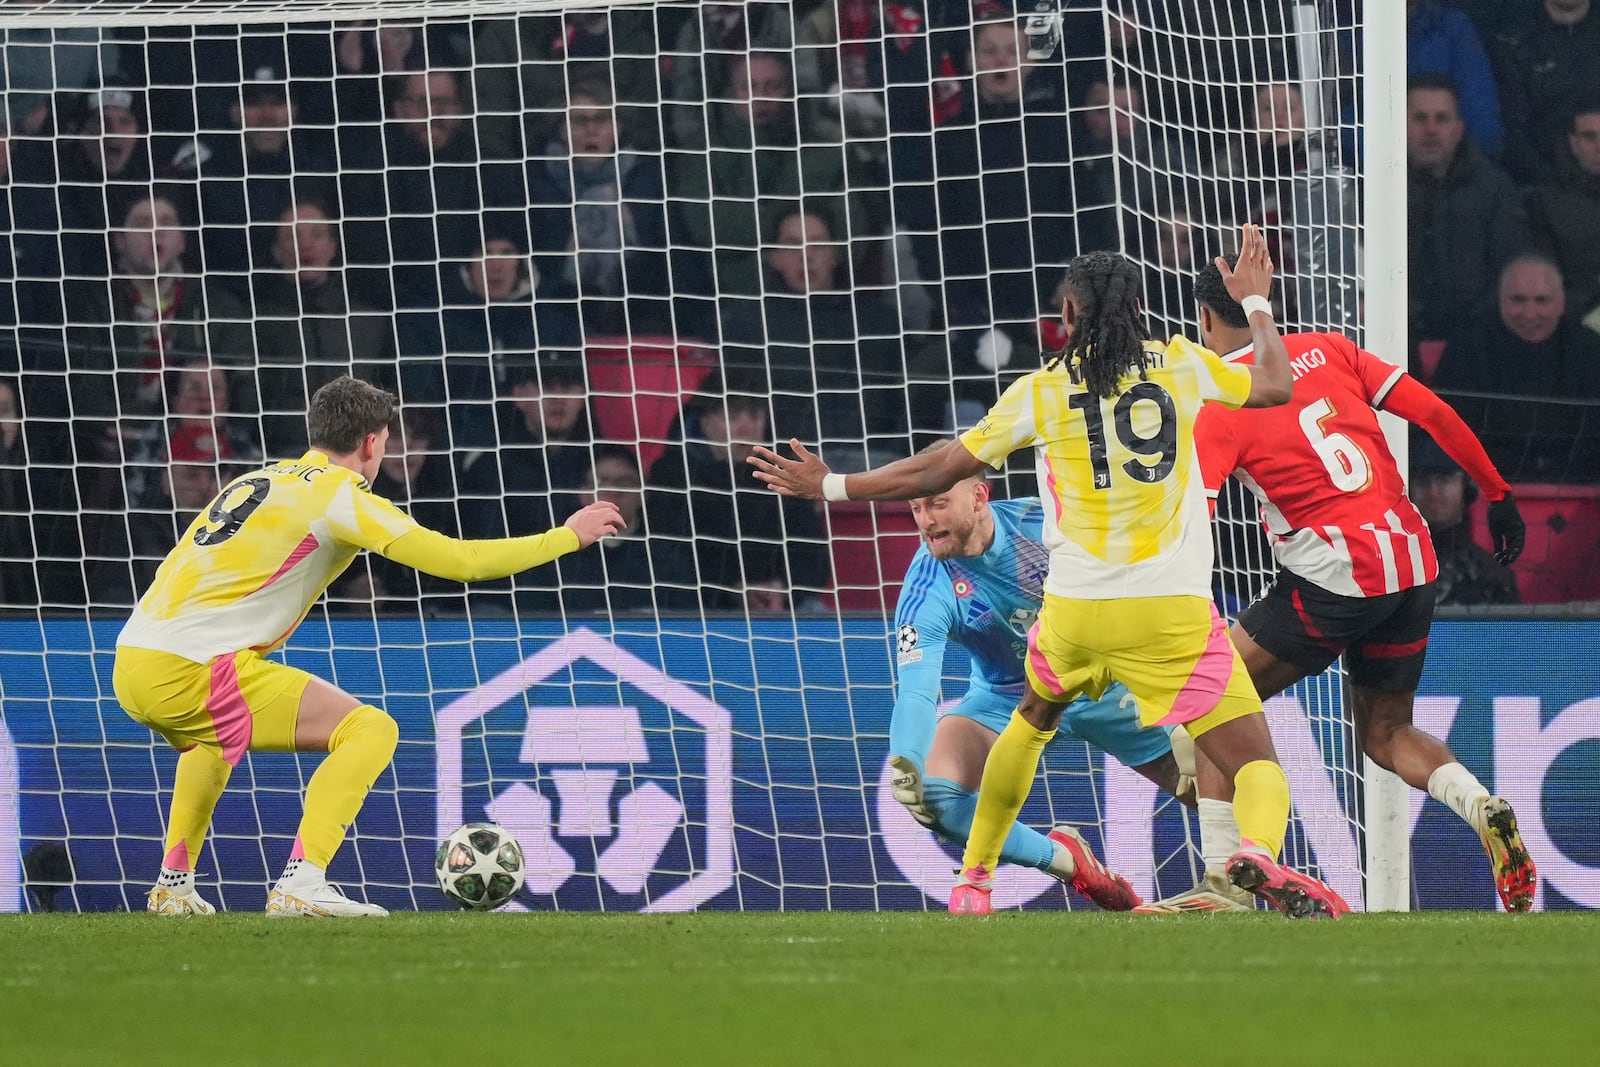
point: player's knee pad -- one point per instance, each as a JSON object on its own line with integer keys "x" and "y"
{"x": 373, "y": 726}
{"x": 906, "y": 785}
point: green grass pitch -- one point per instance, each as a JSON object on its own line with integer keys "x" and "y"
{"x": 887, "y": 989}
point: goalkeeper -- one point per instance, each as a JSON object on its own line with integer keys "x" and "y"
{"x": 978, "y": 581}
{"x": 191, "y": 663}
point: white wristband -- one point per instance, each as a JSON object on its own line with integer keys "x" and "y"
{"x": 1253, "y": 304}
{"x": 833, "y": 487}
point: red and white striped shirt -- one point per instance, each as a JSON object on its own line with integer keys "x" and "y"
{"x": 1331, "y": 494}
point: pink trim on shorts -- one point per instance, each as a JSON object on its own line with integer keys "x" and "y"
{"x": 230, "y": 715}
{"x": 1040, "y": 665}
{"x": 307, "y": 545}
{"x": 177, "y": 858}
{"x": 1208, "y": 681}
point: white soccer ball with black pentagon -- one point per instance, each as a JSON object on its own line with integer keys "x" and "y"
{"x": 479, "y": 866}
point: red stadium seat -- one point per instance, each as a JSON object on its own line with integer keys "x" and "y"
{"x": 1561, "y": 562}
{"x": 639, "y": 385}
{"x": 872, "y": 545}
{"x": 1428, "y": 355}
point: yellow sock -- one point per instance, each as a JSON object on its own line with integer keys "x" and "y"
{"x": 360, "y": 748}
{"x": 1007, "y": 780}
{"x": 1261, "y": 804}
{"x": 201, "y": 778}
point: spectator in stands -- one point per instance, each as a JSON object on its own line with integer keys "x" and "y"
{"x": 524, "y": 67}
{"x": 757, "y": 156}
{"x": 1546, "y": 67}
{"x": 42, "y": 524}
{"x": 103, "y": 166}
{"x": 1566, "y": 211}
{"x": 201, "y": 426}
{"x": 635, "y": 571}
{"x": 1531, "y": 348}
{"x": 367, "y": 53}
{"x": 1529, "y": 351}
{"x": 1468, "y": 573}
{"x": 134, "y": 544}
{"x": 248, "y": 174}
{"x": 1095, "y": 151}
{"x": 38, "y": 63}
{"x": 17, "y": 585}
{"x": 602, "y": 207}
{"x": 150, "y": 315}
{"x": 702, "y": 490}
{"x": 416, "y": 474}
{"x": 416, "y": 187}
{"x": 703, "y": 56}
{"x": 546, "y": 430}
{"x": 1261, "y": 161}
{"x": 1001, "y": 218}
{"x": 1279, "y": 121}
{"x": 1466, "y": 218}
{"x": 550, "y": 411}
{"x": 495, "y": 310}
{"x": 9, "y": 360}
{"x": 1170, "y": 301}
{"x": 1281, "y": 176}
{"x": 842, "y": 68}
{"x": 1442, "y": 40}
{"x": 308, "y": 330}
{"x": 834, "y": 354}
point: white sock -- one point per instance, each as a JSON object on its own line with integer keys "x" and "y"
{"x": 1455, "y": 786}
{"x": 1219, "y": 835}
{"x": 180, "y": 882}
{"x": 300, "y": 874}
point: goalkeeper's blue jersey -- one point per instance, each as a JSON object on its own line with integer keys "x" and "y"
{"x": 986, "y": 604}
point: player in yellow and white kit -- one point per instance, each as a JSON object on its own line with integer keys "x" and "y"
{"x": 1128, "y": 594}
{"x": 191, "y": 661}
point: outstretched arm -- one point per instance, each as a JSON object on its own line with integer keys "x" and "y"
{"x": 923, "y": 474}
{"x": 375, "y": 528}
{"x": 1417, "y": 404}
{"x": 455, "y": 560}
{"x": 1421, "y": 406}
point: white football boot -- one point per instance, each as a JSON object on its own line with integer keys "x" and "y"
{"x": 1214, "y": 893}
{"x": 323, "y": 900}
{"x": 163, "y": 900}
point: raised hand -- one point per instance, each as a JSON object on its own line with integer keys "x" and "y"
{"x": 600, "y": 519}
{"x": 1252, "y": 275}
{"x": 801, "y": 477}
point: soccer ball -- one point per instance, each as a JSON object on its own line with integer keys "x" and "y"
{"x": 479, "y": 866}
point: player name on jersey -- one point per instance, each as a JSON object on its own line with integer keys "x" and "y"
{"x": 1331, "y": 494}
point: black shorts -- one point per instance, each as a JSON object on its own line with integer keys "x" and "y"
{"x": 1384, "y": 639}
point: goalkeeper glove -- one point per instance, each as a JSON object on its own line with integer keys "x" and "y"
{"x": 1507, "y": 531}
{"x": 906, "y": 785}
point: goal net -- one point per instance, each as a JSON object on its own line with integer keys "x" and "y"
{"x": 602, "y": 251}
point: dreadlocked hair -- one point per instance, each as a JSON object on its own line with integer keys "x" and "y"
{"x": 1108, "y": 335}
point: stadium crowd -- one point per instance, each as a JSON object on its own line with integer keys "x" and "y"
{"x": 843, "y": 221}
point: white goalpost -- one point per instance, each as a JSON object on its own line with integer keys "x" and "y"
{"x": 1387, "y": 800}
{"x": 601, "y": 248}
